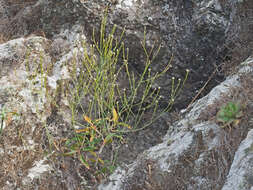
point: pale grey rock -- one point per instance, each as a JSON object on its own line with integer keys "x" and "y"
{"x": 241, "y": 173}
{"x": 194, "y": 32}
{"x": 38, "y": 169}
{"x": 191, "y": 155}
{"x": 22, "y": 93}
{"x": 11, "y": 53}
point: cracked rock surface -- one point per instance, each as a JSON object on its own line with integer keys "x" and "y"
{"x": 194, "y": 152}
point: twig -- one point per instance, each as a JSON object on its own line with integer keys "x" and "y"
{"x": 197, "y": 95}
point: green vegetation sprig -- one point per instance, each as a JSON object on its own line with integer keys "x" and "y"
{"x": 102, "y": 110}
{"x": 229, "y": 114}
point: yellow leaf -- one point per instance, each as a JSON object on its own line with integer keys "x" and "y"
{"x": 115, "y": 116}
{"x": 101, "y": 161}
{"x": 82, "y": 130}
{"x": 92, "y": 160}
{"x": 236, "y": 122}
{"x": 86, "y": 118}
{"x": 93, "y": 153}
{"x": 98, "y": 158}
{"x": 107, "y": 140}
{"x": 129, "y": 127}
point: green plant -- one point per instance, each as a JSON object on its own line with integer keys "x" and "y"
{"x": 101, "y": 108}
{"x": 230, "y": 113}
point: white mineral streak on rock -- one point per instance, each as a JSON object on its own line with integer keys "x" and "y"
{"x": 115, "y": 179}
{"x": 125, "y": 3}
{"x": 1, "y": 151}
{"x": 162, "y": 151}
{"x": 37, "y": 170}
{"x": 247, "y": 66}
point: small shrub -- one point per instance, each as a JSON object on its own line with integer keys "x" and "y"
{"x": 101, "y": 109}
{"x": 230, "y": 113}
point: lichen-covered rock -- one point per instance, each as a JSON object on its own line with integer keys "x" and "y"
{"x": 196, "y": 152}
{"x": 27, "y": 93}
{"x": 193, "y": 32}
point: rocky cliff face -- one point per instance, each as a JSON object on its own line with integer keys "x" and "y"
{"x": 195, "y": 33}
{"x": 195, "y": 153}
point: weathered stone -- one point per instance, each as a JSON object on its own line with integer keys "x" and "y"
{"x": 240, "y": 174}
{"x": 196, "y": 152}
{"x": 193, "y": 32}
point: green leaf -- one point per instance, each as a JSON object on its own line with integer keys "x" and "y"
{"x": 84, "y": 162}
{"x": 70, "y": 153}
{"x": 229, "y": 113}
{"x": 86, "y": 149}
